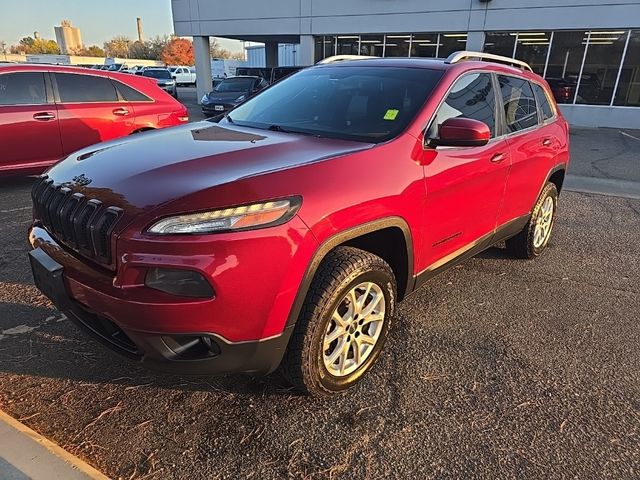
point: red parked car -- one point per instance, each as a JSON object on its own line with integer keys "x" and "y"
{"x": 48, "y": 112}
{"x": 286, "y": 233}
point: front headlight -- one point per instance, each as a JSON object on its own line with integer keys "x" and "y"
{"x": 246, "y": 217}
{"x": 241, "y": 98}
{"x": 205, "y": 98}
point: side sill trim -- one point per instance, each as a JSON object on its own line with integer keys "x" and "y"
{"x": 501, "y": 233}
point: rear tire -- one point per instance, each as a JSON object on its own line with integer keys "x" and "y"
{"x": 343, "y": 323}
{"x": 534, "y": 237}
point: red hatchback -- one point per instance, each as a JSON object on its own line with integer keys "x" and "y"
{"x": 48, "y": 112}
{"x": 286, "y": 233}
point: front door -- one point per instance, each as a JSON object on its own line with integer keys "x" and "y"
{"x": 465, "y": 185}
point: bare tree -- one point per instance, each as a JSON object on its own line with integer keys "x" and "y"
{"x": 117, "y": 47}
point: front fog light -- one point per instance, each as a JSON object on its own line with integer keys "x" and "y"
{"x": 175, "y": 281}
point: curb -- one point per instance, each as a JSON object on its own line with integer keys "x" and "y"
{"x": 52, "y": 448}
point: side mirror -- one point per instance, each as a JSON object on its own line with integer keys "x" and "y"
{"x": 462, "y": 132}
{"x": 173, "y": 76}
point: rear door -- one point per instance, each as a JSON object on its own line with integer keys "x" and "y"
{"x": 90, "y": 110}
{"x": 534, "y": 140}
{"x": 29, "y": 129}
{"x": 465, "y": 185}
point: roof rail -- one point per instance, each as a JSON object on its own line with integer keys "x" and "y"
{"x": 342, "y": 58}
{"x": 457, "y": 57}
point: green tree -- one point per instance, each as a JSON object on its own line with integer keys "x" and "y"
{"x": 91, "y": 51}
{"x": 30, "y": 45}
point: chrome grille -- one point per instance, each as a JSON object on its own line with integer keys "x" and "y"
{"x": 82, "y": 224}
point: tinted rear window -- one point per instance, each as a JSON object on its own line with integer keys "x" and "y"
{"x": 518, "y": 102}
{"x": 130, "y": 94}
{"x": 543, "y": 102}
{"x": 85, "y": 88}
{"x": 22, "y": 88}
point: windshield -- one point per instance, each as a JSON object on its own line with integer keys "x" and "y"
{"x": 173, "y": 69}
{"x": 157, "y": 73}
{"x": 114, "y": 67}
{"x": 369, "y": 104}
{"x": 235, "y": 85}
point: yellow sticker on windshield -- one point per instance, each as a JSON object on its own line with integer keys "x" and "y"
{"x": 391, "y": 114}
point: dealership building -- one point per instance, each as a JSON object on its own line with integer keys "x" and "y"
{"x": 588, "y": 50}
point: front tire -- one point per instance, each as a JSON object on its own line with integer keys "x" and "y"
{"x": 343, "y": 323}
{"x": 534, "y": 237}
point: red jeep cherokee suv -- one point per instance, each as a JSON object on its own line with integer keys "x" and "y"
{"x": 49, "y": 111}
{"x": 286, "y": 233}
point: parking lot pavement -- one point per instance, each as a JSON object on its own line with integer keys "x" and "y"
{"x": 498, "y": 368}
{"x": 189, "y": 98}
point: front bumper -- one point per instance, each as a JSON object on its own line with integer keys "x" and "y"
{"x": 224, "y": 334}
{"x": 210, "y": 109}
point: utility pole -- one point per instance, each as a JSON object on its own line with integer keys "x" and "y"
{"x": 3, "y": 49}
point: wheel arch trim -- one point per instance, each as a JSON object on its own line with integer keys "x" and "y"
{"x": 338, "y": 239}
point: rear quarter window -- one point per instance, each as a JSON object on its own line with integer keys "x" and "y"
{"x": 130, "y": 94}
{"x": 544, "y": 104}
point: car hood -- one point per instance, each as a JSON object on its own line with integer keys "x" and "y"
{"x": 150, "y": 169}
{"x": 224, "y": 96}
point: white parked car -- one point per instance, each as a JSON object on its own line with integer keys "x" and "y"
{"x": 183, "y": 75}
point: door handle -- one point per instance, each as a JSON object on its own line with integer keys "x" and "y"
{"x": 546, "y": 142}
{"x": 498, "y": 157}
{"x": 44, "y": 116}
{"x": 121, "y": 112}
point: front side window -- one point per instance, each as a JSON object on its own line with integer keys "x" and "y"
{"x": 518, "y": 102}
{"x": 472, "y": 96}
{"x": 22, "y": 88}
{"x": 77, "y": 88}
{"x": 368, "y": 104}
{"x": 543, "y": 102}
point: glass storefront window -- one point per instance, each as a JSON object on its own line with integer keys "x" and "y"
{"x": 397, "y": 45}
{"x": 601, "y": 65}
{"x": 565, "y": 61}
{"x": 451, "y": 42}
{"x": 533, "y": 48}
{"x": 424, "y": 45}
{"x": 348, "y": 44}
{"x": 372, "y": 45}
{"x": 628, "y": 93}
{"x": 500, "y": 43}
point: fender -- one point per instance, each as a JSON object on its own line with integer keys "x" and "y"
{"x": 340, "y": 238}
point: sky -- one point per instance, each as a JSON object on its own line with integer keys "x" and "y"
{"x": 98, "y": 21}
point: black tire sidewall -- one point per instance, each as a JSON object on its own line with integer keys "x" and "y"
{"x": 326, "y": 380}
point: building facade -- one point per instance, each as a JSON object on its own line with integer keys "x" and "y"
{"x": 588, "y": 50}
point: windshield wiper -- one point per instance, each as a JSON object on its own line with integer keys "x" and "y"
{"x": 280, "y": 128}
